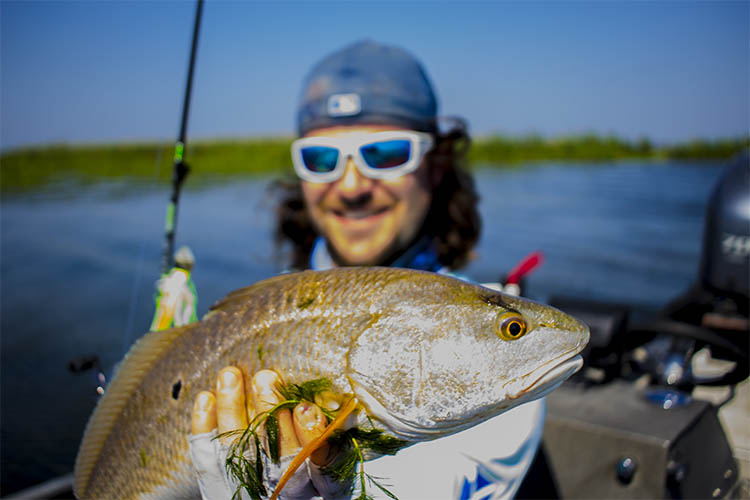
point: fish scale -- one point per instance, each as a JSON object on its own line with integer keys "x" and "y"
{"x": 420, "y": 351}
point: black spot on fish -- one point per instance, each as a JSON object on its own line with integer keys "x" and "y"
{"x": 176, "y": 389}
{"x": 496, "y": 299}
{"x": 305, "y": 303}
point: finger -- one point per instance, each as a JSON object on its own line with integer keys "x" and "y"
{"x": 204, "y": 413}
{"x": 315, "y": 472}
{"x": 309, "y": 423}
{"x": 249, "y": 402}
{"x": 266, "y": 397}
{"x": 231, "y": 413}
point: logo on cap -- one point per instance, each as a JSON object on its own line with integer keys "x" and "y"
{"x": 344, "y": 105}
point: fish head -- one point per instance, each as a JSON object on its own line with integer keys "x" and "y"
{"x": 455, "y": 355}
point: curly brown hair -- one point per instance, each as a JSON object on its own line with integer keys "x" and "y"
{"x": 452, "y": 222}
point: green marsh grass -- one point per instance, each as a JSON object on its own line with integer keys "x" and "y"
{"x": 209, "y": 161}
{"x": 220, "y": 160}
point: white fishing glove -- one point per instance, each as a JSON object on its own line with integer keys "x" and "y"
{"x": 307, "y": 483}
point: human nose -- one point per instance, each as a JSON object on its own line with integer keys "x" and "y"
{"x": 352, "y": 182}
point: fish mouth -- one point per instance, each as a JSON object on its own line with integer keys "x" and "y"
{"x": 549, "y": 376}
{"x": 549, "y": 380}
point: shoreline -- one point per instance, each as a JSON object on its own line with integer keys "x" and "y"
{"x": 29, "y": 168}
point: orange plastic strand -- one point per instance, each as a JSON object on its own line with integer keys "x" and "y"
{"x": 313, "y": 445}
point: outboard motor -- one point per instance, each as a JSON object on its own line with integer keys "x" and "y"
{"x": 718, "y": 302}
{"x": 725, "y": 262}
{"x": 636, "y": 430}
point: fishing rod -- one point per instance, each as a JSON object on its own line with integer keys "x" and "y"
{"x": 180, "y": 169}
{"x": 179, "y": 173}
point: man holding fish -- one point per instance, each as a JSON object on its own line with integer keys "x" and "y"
{"x": 379, "y": 185}
{"x": 395, "y": 378}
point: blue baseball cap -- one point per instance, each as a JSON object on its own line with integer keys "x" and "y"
{"x": 367, "y": 83}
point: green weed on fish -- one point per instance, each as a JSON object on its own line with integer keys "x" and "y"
{"x": 305, "y": 391}
{"x": 351, "y": 443}
{"x": 243, "y": 462}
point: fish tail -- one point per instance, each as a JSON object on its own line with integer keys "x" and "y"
{"x": 139, "y": 360}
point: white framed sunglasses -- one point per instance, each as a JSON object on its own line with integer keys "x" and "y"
{"x": 377, "y": 155}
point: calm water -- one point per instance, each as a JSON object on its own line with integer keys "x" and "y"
{"x": 78, "y": 268}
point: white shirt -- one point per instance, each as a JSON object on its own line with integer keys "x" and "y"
{"x": 485, "y": 462}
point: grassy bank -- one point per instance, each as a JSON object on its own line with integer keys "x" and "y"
{"x": 148, "y": 163}
{"x": 30, "y": 168}
{"x": 505, "y": 150}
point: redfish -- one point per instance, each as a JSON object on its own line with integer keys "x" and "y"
{"x": 426, "y": 355}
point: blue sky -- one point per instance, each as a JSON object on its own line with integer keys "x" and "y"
{"x": 96, "y": 71}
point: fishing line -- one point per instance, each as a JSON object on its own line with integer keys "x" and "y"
{"x": 85, "y": 363}
{"x": 130, "y": 324}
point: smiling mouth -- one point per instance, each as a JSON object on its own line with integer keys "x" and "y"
{"x": 358, "y": 214}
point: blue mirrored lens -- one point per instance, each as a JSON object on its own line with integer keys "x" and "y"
{"x": 320, "y": 158}
{"x": 386, "y": 154}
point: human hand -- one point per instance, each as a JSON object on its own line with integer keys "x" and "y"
{"x": 230, "y": 409}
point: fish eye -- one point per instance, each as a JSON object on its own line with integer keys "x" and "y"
{"x": 511, "y": 326}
